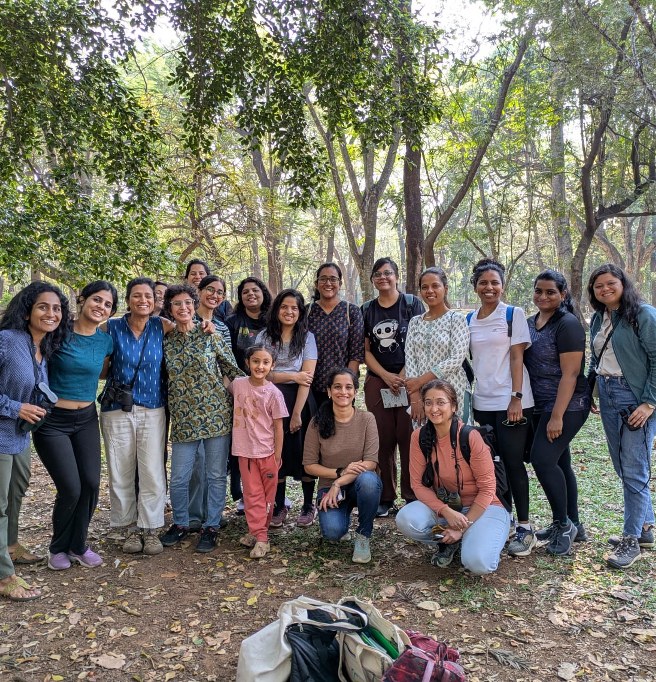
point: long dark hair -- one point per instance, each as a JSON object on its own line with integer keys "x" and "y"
{"x": 266, "y": 296}
{"x": 561, "y": 284}
{"x": 19, "y": 309}
{"x": 96, "y": 286}
{"x": 631, "y": 299}
{"x": 197, "y": 261}
{"x": 316, "y": 295}
{"x": 324, "y": 420}
{"x": 274, "y": 326}
{"x": 484, "y": 265}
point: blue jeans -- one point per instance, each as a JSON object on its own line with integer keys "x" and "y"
{"x": 630, "y": 452}
{"x": 197, "y": 489}
{"x": 363, "y": 493}
{"x": 183, "y": 459}
{"x": 481, "y": 544}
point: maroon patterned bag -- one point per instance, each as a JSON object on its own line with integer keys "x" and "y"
{"x": 427, "y": 660}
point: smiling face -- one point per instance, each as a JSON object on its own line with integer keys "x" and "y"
{"x": 438, "y": 407}
{"x": 288, "y": 312}
{"x": 608, "y": 290}
{"x": 160, "y": 290}
{"x": 182, "y": 308}
{"x": 328, "y": 283}
{"x": 252, "y": 297}
{"x": 433, "y": 290}
{"x": 196, "y": 274}
{"x": 489, "y": 287}
{"x": 546, "y": 296}
{"x": 141, "y": 301}
{"x": 98, "y": 307}
{"x": 384, "y": 279}
{"x": 260, "y": 364}
{"x": 46, "y": 314}
{"x": 342, "y": 390}
{"x": 209, "y": 296}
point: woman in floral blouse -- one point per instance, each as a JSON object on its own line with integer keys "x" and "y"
{"x": 436, "y": 344}
{"x": 201, "y": 412}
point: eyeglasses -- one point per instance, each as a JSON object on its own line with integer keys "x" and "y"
{"x": 328, "y": 280}
{"x": 385, "y": 273}
{"x": 519, "y": 422}
{"x": 212, "y": 291}
{"x": 437, "y": 403}
{"x": 180, "y": 304}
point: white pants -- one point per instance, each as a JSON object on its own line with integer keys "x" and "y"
{"x": 134, "y": 441}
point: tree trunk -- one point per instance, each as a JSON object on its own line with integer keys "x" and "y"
{"x": 414, "y": 245}
{"x": 559, "y": 206}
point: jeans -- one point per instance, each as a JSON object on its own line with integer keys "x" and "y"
{"x": 21, "y": 472}
{"x": 630, "y": 452}
{"x": 363, "y": 493}
{"x": 68, "y": 444}
{"x": 10, "y": 499}
{"x": 481, "y": 544}
{"x": 183, "y": 460}
{"x": 198, "y": 489}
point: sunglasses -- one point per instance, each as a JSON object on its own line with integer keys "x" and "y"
{"x": 519, "y": 422}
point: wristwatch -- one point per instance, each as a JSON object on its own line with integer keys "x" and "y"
{"x": 651, "y": 407}
{"x": 338, "y": 472}
{"x": 516, "y": 394}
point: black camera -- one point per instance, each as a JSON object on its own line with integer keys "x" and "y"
{"x": 625, "y": 414}
{"x": 117, "y": 393}
{"x": 43, "y": 397}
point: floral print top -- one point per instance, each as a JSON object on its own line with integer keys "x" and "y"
{"x": 200, "y": 404}
{"x": 439, "y": 346}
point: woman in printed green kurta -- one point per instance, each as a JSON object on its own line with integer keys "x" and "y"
{"x": 201, "y": 412}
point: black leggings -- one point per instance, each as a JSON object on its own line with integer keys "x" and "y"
{"x": 553, "y": 464}
{"x": 511, "y": 446}
{"x": 68, "y": 444}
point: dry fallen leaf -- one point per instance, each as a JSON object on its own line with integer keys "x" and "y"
{"x": 566, "y": 671}
{"x": 428, "y": 605}
{"x": 110, "y": 661}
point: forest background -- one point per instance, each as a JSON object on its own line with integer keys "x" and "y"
{"x": 268, "y": 136}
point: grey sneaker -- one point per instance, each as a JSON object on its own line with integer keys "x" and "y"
{"x": 133, "y": 543}
{"x": 151, "y": 543}
{"x": 361, "y": 550}
{"x": 523, "y": 543}
{"x": 563, "y": 539}
{"x": 646, "y": 538}
{"x": 581, "y": 533}
{"x": 625, "y": 553}
{"x": 545, "y": 536}
{"x": 444, "y": 555}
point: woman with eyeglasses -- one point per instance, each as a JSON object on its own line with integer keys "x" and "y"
{"x": 201, "y": 412}
{"x": 555, "y": 362}
{"x": 502, "y": 398}
{"x": 457, "y": 505}
{"x": 386, "y": 321}
{"x": 210, "y": 293}
{"x": 337, "y": 327}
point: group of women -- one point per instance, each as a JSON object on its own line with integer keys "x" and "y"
{"x": 172, "y": 356}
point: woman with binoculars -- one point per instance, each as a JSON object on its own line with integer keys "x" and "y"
{"x": 31, "y": 330}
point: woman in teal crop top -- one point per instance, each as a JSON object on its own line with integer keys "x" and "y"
{"x": 68, "y": 443}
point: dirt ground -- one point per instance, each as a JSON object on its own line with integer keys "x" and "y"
{"x": 182, "y": 615}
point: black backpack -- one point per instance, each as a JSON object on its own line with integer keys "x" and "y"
{"x": 427, "y": 440}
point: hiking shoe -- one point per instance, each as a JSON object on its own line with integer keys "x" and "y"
{"x": 545, "y": 536}
{"x": 260, "y": 549}
{"x": 646, "y": 538}
{"x": 361, "y": 550}
{"x": 581, "y": 533}
{"x": 173, "y": 535}
{"x": 240, "y": 507}
{"x": 444, "y": 555}
{"x": 625, "y": 553}
{"x": 207, "y": 540}
{"x": 58, "y": 561}
{"x": 133, "y": 543}
{"x": 523, "y": 543}
{"x": 278, "y": 518}
{"x": 151, "y": 543}
{"x": 383, "y": 510}
{"x": 248, "y": 540}
{"x": 89, "y": 559}
{"x": 307, "y": 516}
{"x": 563, "y": 539}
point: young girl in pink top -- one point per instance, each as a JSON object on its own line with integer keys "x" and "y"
{"x": 257, "y": 437}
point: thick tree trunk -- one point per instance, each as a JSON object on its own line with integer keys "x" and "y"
{"x": 559, "y": 207}
{"x": 414, "y": 243}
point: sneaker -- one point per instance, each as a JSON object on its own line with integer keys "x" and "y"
{"x": 278, "y": 518}
{"x": 523, "y": 543}
{"x": 444, "y": 555}
{"x": 89, "y": 559}
{"x": 625, "y": 553}
{"x": 240, "y": 507}
{"x": 307, "y": 516}
{"x": 581, "y": 533}
{"x": 58, "y": 561}
{"x": 151, "y": 543}
{"x": 259, "y": 550}
{"x": 383, "y": 510}
{"x": 207, "y": 540}
{"x": 173, "y": 535}
{"x": 646, "y": 538}
{"x": 248, "y": 540}
{"x": 563, "y": 539}
{"x": 361, "y": 550}
{"x": 133, "y": 543}
{"x": 346, "y": 537}
{"x": 545, "y": 536}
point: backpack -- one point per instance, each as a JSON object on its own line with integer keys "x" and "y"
{"x": 408, "y": 298}
{"x": 510, "y": 311}
{"x": 427, "y": 443}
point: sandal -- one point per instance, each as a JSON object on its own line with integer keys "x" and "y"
{"x": 22, "y": 556}
{"x": 9, "y": 590}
